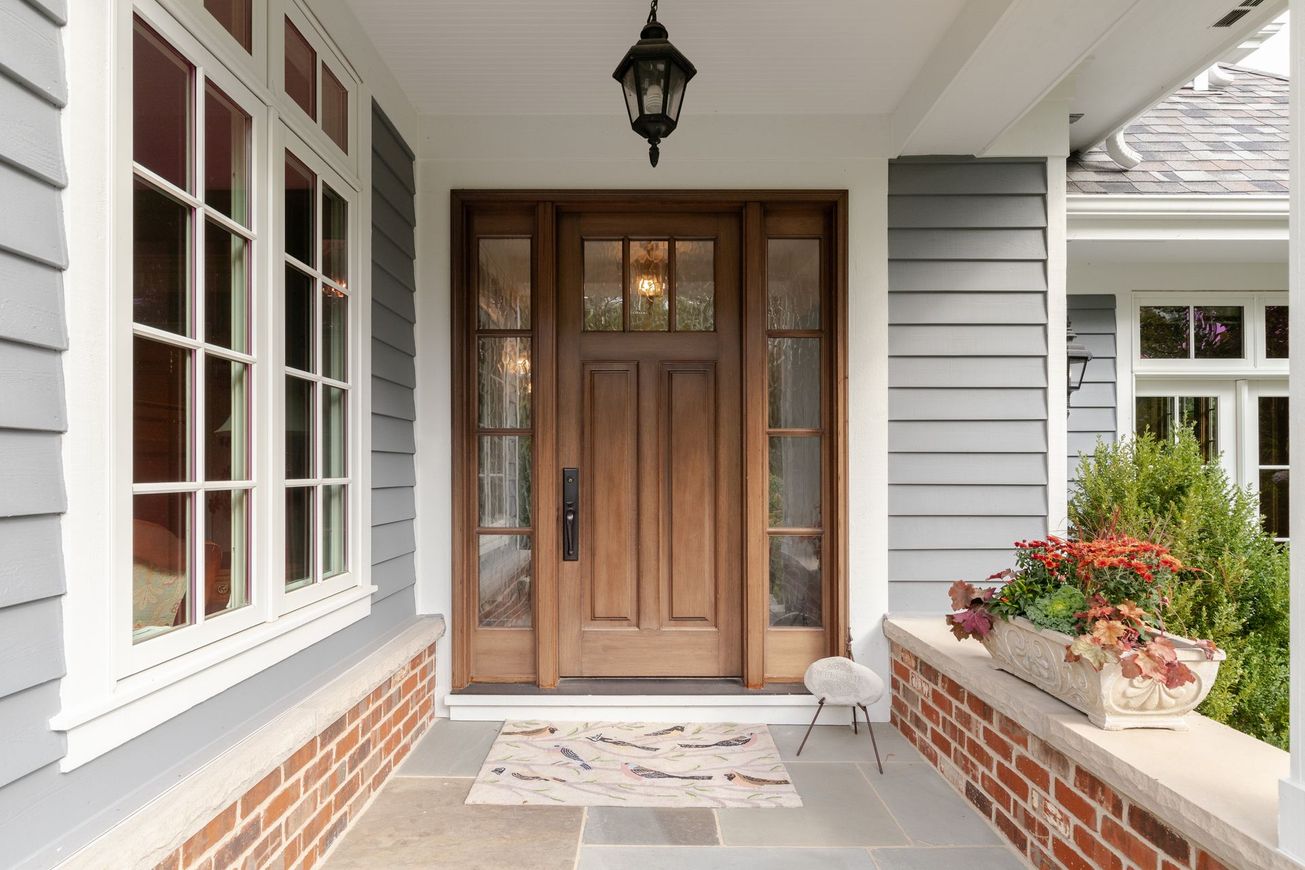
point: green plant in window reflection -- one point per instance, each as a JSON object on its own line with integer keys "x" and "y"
{"x": 603, "y": 313}
{"x": 1164, "y": 331}
{"x": 694, "y": 313}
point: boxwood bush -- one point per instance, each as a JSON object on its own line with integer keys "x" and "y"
{"x": 1238, "y": 596}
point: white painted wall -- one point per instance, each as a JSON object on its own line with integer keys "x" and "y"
{"x": 712, "y": 152}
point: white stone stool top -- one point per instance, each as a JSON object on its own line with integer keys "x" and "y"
{"x": 840, "y": 680}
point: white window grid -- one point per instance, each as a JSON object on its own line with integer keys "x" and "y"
{"x": 1254, "y": 360}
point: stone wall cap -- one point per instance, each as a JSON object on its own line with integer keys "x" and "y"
{"x": 1215, "y": 785}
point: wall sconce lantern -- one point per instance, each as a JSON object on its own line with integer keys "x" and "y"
{"x": 653, "y": 75}
{"x": 1077, "y": 356}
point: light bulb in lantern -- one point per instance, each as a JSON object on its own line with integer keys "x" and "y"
{"x": 650, "y": 287}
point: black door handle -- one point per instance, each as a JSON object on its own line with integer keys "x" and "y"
{"x": 570, "y": 514}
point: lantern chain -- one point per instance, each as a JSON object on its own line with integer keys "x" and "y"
{"x": 652, "y": 12}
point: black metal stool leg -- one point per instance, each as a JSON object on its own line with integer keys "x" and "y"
{"x": 819, "y": 706}
{"x": 854, "y": 731}
{"x": 871, "y": 728}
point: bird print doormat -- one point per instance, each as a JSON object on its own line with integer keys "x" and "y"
{"x": 601, "y": 764}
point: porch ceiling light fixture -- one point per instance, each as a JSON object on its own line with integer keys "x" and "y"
{"x": 653, "y": 75}
{"x": 1077, "y": 356}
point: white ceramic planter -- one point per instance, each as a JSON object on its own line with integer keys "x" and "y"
{"x": 1111, "y": 701}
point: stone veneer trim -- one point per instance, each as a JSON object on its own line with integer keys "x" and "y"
{"x": 1057, "y": 788}
{"x": 195, "y": 820}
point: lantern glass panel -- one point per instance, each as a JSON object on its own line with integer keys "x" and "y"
{"x": 652, "y": 86}
{"x": 631, "y": 93}
{"x": 676, "y": 95}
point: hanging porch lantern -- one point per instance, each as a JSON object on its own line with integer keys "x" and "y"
{"x": 653, "y": 75}
{"x": 1076, "y": 357}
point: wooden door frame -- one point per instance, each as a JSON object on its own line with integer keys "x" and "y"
{"x": 544, "y": 205}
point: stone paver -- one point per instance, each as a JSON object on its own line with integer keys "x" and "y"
{"x": 853, "y": 818}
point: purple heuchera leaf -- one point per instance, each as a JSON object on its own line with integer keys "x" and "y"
{"x": 972, "y": 622}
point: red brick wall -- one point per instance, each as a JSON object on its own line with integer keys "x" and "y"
{"x": 293, "y": 815}
{"x": 1054, "y": 811}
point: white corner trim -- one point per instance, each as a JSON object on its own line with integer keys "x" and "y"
{"x": 139, "y": 703}
{"x": 148, "y": 835}
{"x": 1145, "y": 217}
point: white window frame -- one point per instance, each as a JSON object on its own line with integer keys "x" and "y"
{"x": 1251, "y": 393}
{"x": 109, "y": 694}
{"x": 1253, "y": 360}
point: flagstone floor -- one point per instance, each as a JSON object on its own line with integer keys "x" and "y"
{"x": 852, "y": 818}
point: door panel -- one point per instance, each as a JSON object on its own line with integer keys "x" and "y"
{"x": 649, "y": 410}
{"x": 609, "y": 487}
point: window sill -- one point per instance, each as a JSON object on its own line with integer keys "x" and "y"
{"x": 140, "y": 702}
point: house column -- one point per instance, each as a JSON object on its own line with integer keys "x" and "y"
{"x": 1291, "y": 803}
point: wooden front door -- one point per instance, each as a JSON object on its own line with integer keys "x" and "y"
{"x": 648, "y": 415}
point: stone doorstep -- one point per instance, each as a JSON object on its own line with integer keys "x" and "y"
{"x": 1181, "y": 776}
{"x": 156, "y": 830}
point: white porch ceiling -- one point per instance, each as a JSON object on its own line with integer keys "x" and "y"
{"x": 781, "y": 57}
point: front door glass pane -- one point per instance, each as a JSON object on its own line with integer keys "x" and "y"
{"x": 695, "y": 285}
{"x": 161, "y": 107}
{"x": 1165, "y": 332}
{"x": 504, "y": 472}
{"x": 504, "y": 572}
{"x": 503, "y": 284}
{"x": 649, "y": 286}
{"x": 602, "y": 286}
{"x": 793, "y": 284}
{"x": 504, "y": 376}
{"x": 796, "y": 591}
{"x": 1217, "y": 331}
{"x": 161, "y": 570}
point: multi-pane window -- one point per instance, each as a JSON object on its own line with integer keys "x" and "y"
{"x": 193, "y": 362}
{"x": 315, "y": 87}
{"x": 649, "y": 285}
{"x": 795, "y": 430}
{"x": 1272, "y": 463}
{"x": 504, "y": 433}
{"x": 316, "y": 347}
{"x": 1192, "y": 332}
{"x": 1165, "y": 416}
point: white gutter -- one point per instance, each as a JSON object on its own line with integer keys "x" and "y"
{"x": 1149, "y": 217}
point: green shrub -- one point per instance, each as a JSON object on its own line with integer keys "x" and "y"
{"x": 1238, "y": 598}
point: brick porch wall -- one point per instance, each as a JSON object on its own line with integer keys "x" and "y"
{"x": 294, "y": 814}
{"x": 1055, "y": 812}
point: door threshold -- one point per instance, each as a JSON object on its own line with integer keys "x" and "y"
{"x": 639, "y": 686}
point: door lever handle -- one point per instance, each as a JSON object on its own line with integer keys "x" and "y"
{"x": 570, "y": 514}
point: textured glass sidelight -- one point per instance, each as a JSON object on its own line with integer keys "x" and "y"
{"x": 161, "y": 107}
{"x": 300, "y": 70}
{"x": 161, "y": 228}
{"x": 504, "y": 477}
{"x": 795, "y": 482}
{"x": 226, "y": 552}
{"x": 603, "y": 301}
{"x": 504, "y": 581}
{"x": 796, "y": 587}
{"x": 161, "y": 568}
{"x": 794, "y": 383}
{"x": 161, "y": 406}
{"x": 793, "y": 284}
{"x": 649, "y": 285}
{"x": 503, "y": 284}
{"x": 503, "y": 395}
{"x": 695, "y": 285}
{"x": 1276, "y": 331}
{"x": 335, "y": 109}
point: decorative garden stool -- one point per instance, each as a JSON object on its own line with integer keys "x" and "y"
{"x": 839, "y": 680}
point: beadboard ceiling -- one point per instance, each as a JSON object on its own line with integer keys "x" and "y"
{"x": 525, "y": 57}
